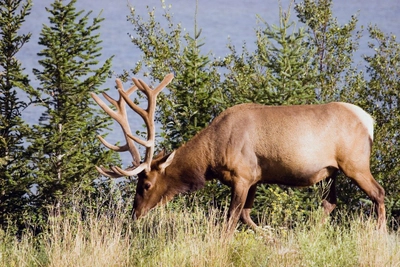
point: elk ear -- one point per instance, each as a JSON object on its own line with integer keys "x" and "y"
{"x": 160, "y": 155}
{"x": 166, "y": 161}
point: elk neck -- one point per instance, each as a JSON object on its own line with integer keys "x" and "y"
{"x": 189, "y": 169}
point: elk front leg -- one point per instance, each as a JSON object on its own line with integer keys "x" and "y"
{"x": 245, "y": 215}
{"x": 238, "y": 198}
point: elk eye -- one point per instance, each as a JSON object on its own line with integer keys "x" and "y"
{"x": 146, "y": 185}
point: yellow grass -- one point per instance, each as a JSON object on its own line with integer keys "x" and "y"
{"x": 171, "y": 237}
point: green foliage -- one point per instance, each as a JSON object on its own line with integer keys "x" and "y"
{"x": 285, "y": 206}
{"x": 15, "y": 179}
{"x": 64, "y": 144}
{"x": 382, "y": 100}
{"x": 192, "y": 100}
{"x": 279, "y": 72}
{"x": 191, "y": 104}
{"x": 334, "y": 46}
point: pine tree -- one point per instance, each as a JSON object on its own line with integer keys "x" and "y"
{"x": 278, "y": 72}
{"x": 190, "y": 105}
{"x": 65, "y": 148}
{"x": 382, "y": 99}
{"x": 192, "y": 100}
{"x": 334, "y": 47}
{"x": 15, "y": 180}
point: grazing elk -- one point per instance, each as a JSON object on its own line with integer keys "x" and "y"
{"x": 246, "y": 145}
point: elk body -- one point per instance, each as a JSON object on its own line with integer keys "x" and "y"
{"x": 249, "y": 144}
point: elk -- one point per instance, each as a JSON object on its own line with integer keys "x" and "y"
{"x": 246, "y": 145}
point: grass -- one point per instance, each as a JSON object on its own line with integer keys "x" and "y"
{"x": 176, "y": 237}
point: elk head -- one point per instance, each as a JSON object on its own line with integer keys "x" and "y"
{"x": 151, "y": 189}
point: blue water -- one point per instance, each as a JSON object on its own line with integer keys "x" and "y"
{"x": 220, "y": 20}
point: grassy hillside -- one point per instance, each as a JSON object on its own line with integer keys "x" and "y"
{"x": 171, "y": 237}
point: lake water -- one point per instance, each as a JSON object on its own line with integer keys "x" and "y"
{"x": 219, "y": 20}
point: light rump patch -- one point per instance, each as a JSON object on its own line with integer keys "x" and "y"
{"x": 364, "y": 117}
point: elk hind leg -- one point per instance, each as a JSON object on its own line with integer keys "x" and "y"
{"x": 375, "y": 192}
{"x": 329, "y": 194}
{"x": 245, "y": 214}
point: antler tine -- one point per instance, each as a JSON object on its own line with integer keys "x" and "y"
{"x": 113, "y": 147}
{"x": 142, "y": 86}
{"x": 153, "y": 92}
{"x": 167, "y": 79}
{"x": 147, "y": 115}
{"x": 121, "y": 117}
{"x": 129, "y": 171}
{"x": 107, "y": 172}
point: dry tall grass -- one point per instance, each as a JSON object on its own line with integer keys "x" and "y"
{"x": 168, "y": 237}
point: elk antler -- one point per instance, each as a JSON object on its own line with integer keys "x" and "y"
{"x": 121, "y": 117}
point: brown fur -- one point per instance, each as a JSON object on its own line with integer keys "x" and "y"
{"x": 250, "y": 144}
